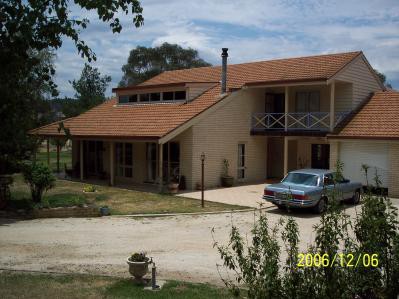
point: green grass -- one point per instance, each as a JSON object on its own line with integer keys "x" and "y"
{"x": 24, "y": 285}
{"x": 120, "y": 201}
{"x": 65, "y": 158}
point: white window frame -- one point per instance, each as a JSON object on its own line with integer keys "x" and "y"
{"x": 123, "y": 165}
{"x": 241, "y": 167}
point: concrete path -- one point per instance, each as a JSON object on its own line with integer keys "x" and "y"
{"x": 246, "y": 195}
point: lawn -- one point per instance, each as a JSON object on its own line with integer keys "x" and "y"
{"x": 24, "y": 285}
{"x": 65, "y": 158}
{"x": 120, "y": 201}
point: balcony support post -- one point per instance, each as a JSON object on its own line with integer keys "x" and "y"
{"x": 286, "y": 101}
{"x": 332, "y": 106}
{"x": 285, "y": 155}
{"x": 111, "y": 163}
{"x": 160, "y": 167}
{"x": 81, "y": 157}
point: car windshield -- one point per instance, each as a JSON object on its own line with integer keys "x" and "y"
{"x": 301, "y": 179}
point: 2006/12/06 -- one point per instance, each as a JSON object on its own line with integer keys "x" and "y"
{"x": 344, "y": 260}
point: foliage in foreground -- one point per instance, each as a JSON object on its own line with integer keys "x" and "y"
{"x": 39, "y": 178}
{"x": 260, "y": 273}
{"x": 23, "y": 285}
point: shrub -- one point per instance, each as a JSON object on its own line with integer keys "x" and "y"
{"x": 139, "y": 257}
{"x": 259, "y": 272}
{"x": 39, "y": 178}
{"x": 89, "y": 188}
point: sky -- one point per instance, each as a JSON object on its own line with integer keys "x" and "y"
{"x": 253, "y": 30}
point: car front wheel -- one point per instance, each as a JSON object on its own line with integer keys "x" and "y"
{"x": 321, "y": 206}
{"x": 356, "y": 198}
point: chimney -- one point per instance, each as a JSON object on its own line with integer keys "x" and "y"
{"x": 224, "y": 70}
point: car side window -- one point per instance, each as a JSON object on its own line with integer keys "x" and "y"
{"x": 328, "y": 180}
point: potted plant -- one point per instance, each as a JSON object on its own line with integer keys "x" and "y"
{"x": 173, "y": 185}
{"x": 227, "y": 180}
{"x": 138, "y": 264}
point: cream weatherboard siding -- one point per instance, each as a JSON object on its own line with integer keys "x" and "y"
{"x": 363, "y": 80}
{"x": 218, "y": 136}
{"x": 195, "y": 89}
{"x": 393, "y": 183}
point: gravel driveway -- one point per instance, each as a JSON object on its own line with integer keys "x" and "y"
{"x": 181, "y": 245}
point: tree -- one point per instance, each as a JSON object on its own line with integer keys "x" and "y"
{"x": 26, "y": 29}
{"x": 24, "y": 105}
{"x": 144, "y": 63}
{"x": 90, "y": 88}
{"x": 383, "y": 78}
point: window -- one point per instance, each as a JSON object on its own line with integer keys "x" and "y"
{"x": 144, "y": 97}
{"x": 180, "y": 95}
{"x": 307, "y": 102}
{"x": 241, "y": 161}
{"x": 328, "y": 179}
{"x": 168, "y": 96}
{"x": 155, "y": 97}
{"x": 123, "y": 99}
{"x": 133, "y": 98}
{"x": 124, "y": 159}
{"x": 301, "y": 179}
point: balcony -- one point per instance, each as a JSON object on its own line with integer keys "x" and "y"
{"x": 318, "y": 122}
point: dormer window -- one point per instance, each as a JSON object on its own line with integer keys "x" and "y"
{"x": 167, "y": 96}
{"x": 180, "y": 95}
{"x": 133, "y": 98}
{"x": 155, "y": 97}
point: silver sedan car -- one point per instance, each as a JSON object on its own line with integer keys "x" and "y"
{"x": 311, "y": 188}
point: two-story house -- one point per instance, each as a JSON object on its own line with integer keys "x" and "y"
{"x": 266, "y": 118}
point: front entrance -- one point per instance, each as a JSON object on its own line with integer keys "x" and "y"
{"x": 171, "y": 161}
{"x": 275, "y": 157}
{"x": 321, "y": 156}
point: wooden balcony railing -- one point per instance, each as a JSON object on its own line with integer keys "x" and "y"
{"x": 313, "y": 121}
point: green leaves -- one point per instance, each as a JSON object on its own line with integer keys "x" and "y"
{"x": 90, "y": 88}
{"x": 144, "y": 63}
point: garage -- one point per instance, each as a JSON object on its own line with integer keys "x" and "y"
{"x": 372, "y": 153}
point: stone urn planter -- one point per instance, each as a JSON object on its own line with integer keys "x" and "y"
{"x": 138, "y": 265}
{"x": 173, "y": 187}
{"x": 5, "y": 195}
{"x": 227, "y": 181}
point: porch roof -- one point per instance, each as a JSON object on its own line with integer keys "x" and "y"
{"x": 377, "y": 119}
{"x": 138, "y": 121}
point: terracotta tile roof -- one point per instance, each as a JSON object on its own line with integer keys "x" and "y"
{"x": 319, "y": 67}
{"x": 156, "y": 120}
{"x": 137, "y": 121}
{"x": 377, "y": 119}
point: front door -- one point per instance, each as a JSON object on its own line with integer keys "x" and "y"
{"x": 321, "y": 156}
{"x": 275, "y": 104}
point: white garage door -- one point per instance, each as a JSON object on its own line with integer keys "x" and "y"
{"x": 375, "y": 155}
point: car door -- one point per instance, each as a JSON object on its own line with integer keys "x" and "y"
{"x": 346, "y": 188}
{"x": 331, "y": 187}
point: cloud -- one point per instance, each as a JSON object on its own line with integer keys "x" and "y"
{"x": 252, "y": 29}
